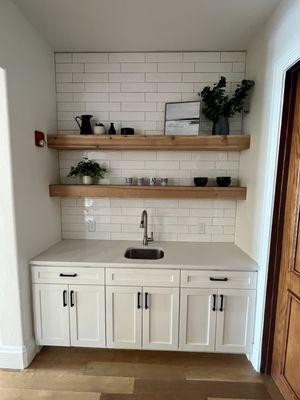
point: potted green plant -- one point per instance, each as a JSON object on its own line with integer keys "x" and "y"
{"x": 218, "y": 107}
{"x": 88, "y": 170}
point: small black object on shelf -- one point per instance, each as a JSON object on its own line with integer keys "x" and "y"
{"x": 200, "y": 181}
{"x": 127, "y": 131}
{"x": 223, "y": 181}
{"x": 112, "y": 129}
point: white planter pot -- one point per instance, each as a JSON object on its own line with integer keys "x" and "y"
{"x": 87, "y": 180}
{"x": 99, "y": 130}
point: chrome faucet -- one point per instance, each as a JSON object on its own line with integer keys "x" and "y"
{"x": 144, "y": 224}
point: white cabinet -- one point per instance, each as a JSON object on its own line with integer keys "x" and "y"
{"x": 87, "y": 315}
{"x": 69, "y": 315}
{"x": 160, "y": 318}
{"x": 124, "y": 317}
{"x": 217, "y": 320}
{"x": 198, "y": 319}
{"x": 235, "y": 321}
{"x": 51, "y": 314}
{"x": 139, "y": 317}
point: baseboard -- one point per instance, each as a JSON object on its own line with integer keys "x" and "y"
{"x": 18, "y": 357}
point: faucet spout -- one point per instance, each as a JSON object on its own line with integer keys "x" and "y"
{"x": 144, "y": 225}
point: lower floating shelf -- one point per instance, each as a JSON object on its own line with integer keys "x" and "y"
{"x": 149, "y": 192}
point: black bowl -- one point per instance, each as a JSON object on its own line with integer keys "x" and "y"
{"x": 200, "y": 181}
{"x": 223, "y": 181}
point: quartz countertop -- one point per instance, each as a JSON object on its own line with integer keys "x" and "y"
{"x": 177, "y": 255}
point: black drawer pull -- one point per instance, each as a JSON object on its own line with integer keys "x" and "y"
{"x": 214, "y": 302}
{"x": 222, "y": 303}
{"x": 68, "y": 275}
{"x": 65, "y": 298}
{"x": 72, "y": 298}
{"x": 218, "y": 279}
{"x": 139, "y": 300}
{"x": 146, "y": 301}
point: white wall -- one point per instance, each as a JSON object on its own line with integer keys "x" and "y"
{"x": 30, "y": 220}
{"x": 275, "y": 49}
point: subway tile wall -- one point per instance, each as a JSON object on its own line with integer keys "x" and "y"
{"x": 130, "y": 89}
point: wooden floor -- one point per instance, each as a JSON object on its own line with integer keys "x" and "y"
{"x": 90, "y": 374}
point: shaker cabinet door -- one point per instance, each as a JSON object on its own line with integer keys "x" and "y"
{"x": 124, "y": 317}
{"x": 51, "y": 314}
{"x": 198, "y": 319}
{"x": 87, "y": 315}
{"x": 235, "y": 321}
{"x": 160, "y": 318}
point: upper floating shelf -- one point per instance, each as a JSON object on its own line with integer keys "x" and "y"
{"x": 142, "y": 142}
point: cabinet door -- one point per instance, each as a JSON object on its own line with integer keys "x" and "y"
{"x": 51, "y": 314}
{"x": 124, "y": 317}
{"x": 87, "y": 315}
{"x": 198, "y": 319}
{"x": 160, "y": 318}
{"x": 235, "y": 321}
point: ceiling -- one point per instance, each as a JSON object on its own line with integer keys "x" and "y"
{"x": 147, "y": 25}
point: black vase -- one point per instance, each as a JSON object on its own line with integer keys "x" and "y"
{"x": 221, "y": 126}
{"x": 112, "y": 130}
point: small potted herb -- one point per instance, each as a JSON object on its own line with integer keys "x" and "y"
{"x": 88, "y": 170}
{"x": 99, "y": 129}
{"x": 218, "y": 107}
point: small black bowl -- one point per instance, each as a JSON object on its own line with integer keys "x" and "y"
{"x": 223, "y": 181}
{"x": 200, "y": 181}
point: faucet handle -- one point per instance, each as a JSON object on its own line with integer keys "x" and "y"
{"x": 151, "y": 238}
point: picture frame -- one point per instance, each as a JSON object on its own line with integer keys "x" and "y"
{"x": 182, "y": 118}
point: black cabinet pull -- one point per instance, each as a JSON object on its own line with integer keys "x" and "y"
{"x": 214, "y": 302}
{"x": 222, "y": 303}
{"x": 68, "y": 275}
{"x": 218, "y": 279}
{"x": 65, "y": 298}
{"x": 146, "y": 301}
{"x": 72, "y": 298}
{"x": 139, "y": 300}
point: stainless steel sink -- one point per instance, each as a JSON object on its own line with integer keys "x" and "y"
{"x": 143, "y": 254}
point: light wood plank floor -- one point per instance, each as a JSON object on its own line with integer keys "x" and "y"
{"x": 59, "y": 373}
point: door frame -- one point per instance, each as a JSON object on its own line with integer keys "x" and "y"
{"x": 278, "y": 217}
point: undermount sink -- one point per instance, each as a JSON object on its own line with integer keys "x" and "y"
{"x": 143, "y": 254}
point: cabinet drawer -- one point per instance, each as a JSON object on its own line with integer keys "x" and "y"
{"x": 219, "y": 279}
{"x": 142, "y": 277}
{"x": 68, "y": 275}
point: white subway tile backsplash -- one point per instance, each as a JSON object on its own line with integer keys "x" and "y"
{"x": 163, "y": 77}
{"x": 233, "y": 56}
{"x": 127, "y": 77}
{"x": 90, "y": 77}
{"x": 90, "y": 57}
{"x": 203, "y": 56}
{"x": 175, "y": 87}
{"x": 102, "y": 87}
{"x": 126, "y": 57}
{"x": 139, "y": 67}
{"x": 86, "y": 97}
{"x": 63, "y": 57}
{"x": 164, "y": 57}
{"x": 69, "y": 87}
{"x": 101, "y": 67}
{"x": 69, "y": 67}
{"x": 176, "y": 67}
{"x": 131, "y": 89}
{"x": 138, "y": 87}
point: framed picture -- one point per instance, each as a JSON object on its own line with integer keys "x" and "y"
{"x": 182, "y": 118}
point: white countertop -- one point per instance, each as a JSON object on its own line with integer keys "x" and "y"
{"x": 178, "y": 255}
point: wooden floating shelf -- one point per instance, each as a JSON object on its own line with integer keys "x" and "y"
{"x": 149, "y": 192}
{"x": 141, "y": 142}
